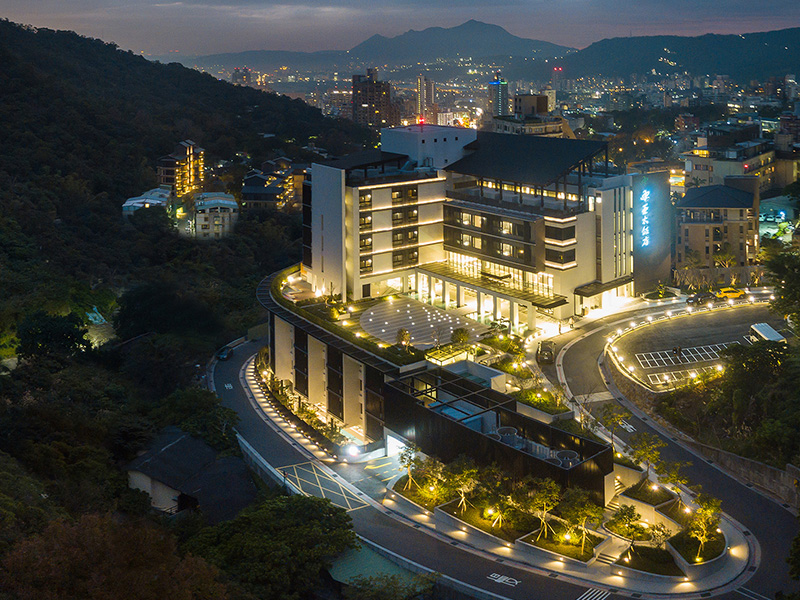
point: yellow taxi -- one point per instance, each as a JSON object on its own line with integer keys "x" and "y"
{"x": 729, "y": 292}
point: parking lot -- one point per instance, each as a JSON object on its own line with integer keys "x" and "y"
{"x": 700, "y": 337}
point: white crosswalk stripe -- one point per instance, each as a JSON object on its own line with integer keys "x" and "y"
{"x": 594, "y": 594}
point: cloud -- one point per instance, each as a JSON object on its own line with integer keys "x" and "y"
{"x": 205, "y": 27}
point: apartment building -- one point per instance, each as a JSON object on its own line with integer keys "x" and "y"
{"x": 215, "y": 215}
{"x": 718, "y": 222}
{"x": 182, "y": 171}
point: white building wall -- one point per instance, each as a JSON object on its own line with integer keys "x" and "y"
{"x": 162, "y": 497}
{"x": 317, "y": 372}
{"x": 328, "y": 229}
{"x": 353, "y": 391}
{"x": 284, "y": 350}
{"x": 428, "y": 145}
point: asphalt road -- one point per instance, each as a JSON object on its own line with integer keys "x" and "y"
{"x": 439, "y": 555}
{"x": 773, "y": 526}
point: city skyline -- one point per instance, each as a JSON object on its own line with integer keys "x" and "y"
{"x": 197, "y": 27}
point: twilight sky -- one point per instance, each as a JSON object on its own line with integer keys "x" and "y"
{"x": 207, "y": 27}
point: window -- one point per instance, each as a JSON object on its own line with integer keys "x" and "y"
{"x": 413, "y": 235}
{"x": 366, "y": 265}
{"x": 477, "y": 243}
{"x": 466, "y": 239}
{"x": 506, "y": 227}
{"x": 413, "y": 257}
{"x": 477, "y": 220}
{"x": 364, "y": 200}
{"x": 506, "y": 249}
{"x": 397, "y": 238}
{"x": 557, "y": 233}
{"x": 365, "y": 222}
{"x": 365, "y": 243}
{"x": 397, "y": 259}
{"x": 559, "y": 256}
{"x": 397, "y": 217}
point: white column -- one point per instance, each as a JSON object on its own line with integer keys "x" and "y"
{"x": 445, "y": 293}
{"x": 479, "y": 296}
{"x": 531, "y": 317}
{"x": 513, "y": 314}
{"x": 459, "y": 297}
{"x": 495, "y": 308}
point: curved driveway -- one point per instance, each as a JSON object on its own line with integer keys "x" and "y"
{"x": 773, "y": 526}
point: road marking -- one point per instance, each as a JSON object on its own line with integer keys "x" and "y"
{"x": 666, "y": 358}
{"x": 594, "y": 594}
{"x": 751, "y": 594}
{"x": 627, "y": 426}
{"x": 228, "y": 386}
{"x": 504, "y": 579}
{"x": 378, "y": 466}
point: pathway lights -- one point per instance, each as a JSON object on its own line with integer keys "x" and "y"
{"x": 730, "y": 301}
{"x": 719, "y": 368}
{"x": 772, "y": 296}
{"x": 688, "y": 309}
{"x": 669, "y": 313}
{"x": 631, "y": 368}
{"x": 619, "y": 331}
{"x": 632, "y": 324}
{"x": 649, "y": 319}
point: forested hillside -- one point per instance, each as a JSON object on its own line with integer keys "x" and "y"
{"x": 81, "y": 127}
{"x": 83, "y": 124}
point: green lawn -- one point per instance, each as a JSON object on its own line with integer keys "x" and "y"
{"x": 555, "y": 543}
{"x": 639, "y": 534}
{"x": 413, "y": 494}
{"x": 510, "y": 531}
{"x": 507, "y": 344}
{"x": 573, "y": 427}
{"x": 644, "y": 492}
{"x": 506, "y": 365}
{"x": 687, "y": 546}
{"x": 544, "y": 401}
{"x": 651, "y": 560}
{"x": 676, "y": 511}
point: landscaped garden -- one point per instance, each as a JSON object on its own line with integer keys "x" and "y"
{"x": 648, "y": 492}
{"x": 541, "y": 399}
{"x": 689, "y": 547}
{"x": 650, "y": 560}
{"x": 511, "y": 528}
{"x": 504, "y": 343}
{"x": 513, "y": 366}
{"x": 562, "y": 540}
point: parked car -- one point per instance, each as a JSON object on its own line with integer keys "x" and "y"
{"x": 729, "y": 292}
{"x": 546, "y": 352}
{"x": 700, "y": 299}
{"x": 225, "y": 353}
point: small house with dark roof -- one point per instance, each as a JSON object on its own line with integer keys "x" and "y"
{"x": 717, "y": 225}
{"x": 181, "y": 472}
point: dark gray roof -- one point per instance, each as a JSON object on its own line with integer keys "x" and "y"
{"x": 365, "y": 159}
{"x": 716, "y": 196}
{"x": 221, "y": 486}
{"x": 523, "y": 158}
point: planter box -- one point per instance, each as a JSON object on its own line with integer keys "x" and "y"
{"x": 637, "y": 574}
{"x": 649, "y": 512}
{"x": 698, "y": 570}
{"x": 447, "y": 524}
{"x": 627, "y": 475}
{"x": 536, "y": 551}
{"x": 402, "y": 501}
{"x": 540, "y": 415}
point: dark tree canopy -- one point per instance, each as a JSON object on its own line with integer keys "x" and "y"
{"x": 41, "y": 334}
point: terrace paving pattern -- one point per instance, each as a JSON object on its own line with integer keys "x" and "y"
{"x": 421, "y": 320}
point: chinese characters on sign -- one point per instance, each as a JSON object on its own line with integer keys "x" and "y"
{"x": 644, "y": 201}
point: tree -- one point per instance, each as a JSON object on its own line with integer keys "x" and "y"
{"x": 578, "y": 509}
{"x": 278, "y": 548}
{"x": 404, "y": 338}
{"x": 705, "y": 520}
{"x": 460, "y": 335}
{"x": 612, "y": 416}
{"x": 411, "y": 462}
{"x": 462, "y": 477}
{"x": 625, "y": 519}
{"x": 546, "y": 496}
{"x": 43, "y": 335}
{"x": 200, "y": 412}
{"x": 493, "y": 489}
{"x": 646, "y": 447}
{"x": 785, "y": 272}
{"x": 99, "y": 558}
{"x": 724, "y": 257}
{"x": 432, "y": 474}
{"x": 438, "y": 335}
{"x": 659, "y": 533}
{"x": 388, "y": 587}
{"x": 672, "y": 476}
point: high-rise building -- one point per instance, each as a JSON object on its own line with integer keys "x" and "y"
{"x": 241, "y": 76}
{"x": 426, "y": 95}
{"x": 372, "y": 101}
{"x": 498, "y": 97}
{"x": 183, "y": 170}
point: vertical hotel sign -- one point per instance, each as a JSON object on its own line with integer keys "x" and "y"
{"x": 644, "y": 208}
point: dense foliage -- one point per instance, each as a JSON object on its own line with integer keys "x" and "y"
{"x": 82, "y": 127}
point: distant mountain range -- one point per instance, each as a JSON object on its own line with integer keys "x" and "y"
{"x": 471, "y": 39}
{"x": 742, "y": 57}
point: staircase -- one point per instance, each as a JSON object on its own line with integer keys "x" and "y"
{"x": 618, "y": 486}
{"x": 606, "y": 559}
{"x": 614, "y": 504}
